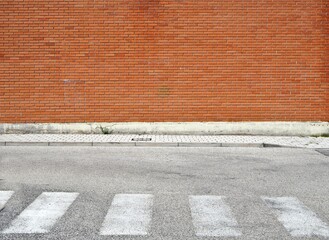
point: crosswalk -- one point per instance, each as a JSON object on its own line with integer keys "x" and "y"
{"x": 131, "y": 215}
{"x": 298, "y": 219}
{"x": 43, "y": 213}
{"x": 212, "y": 217}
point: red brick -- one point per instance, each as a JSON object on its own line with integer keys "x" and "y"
{"x": 164, "y": 60}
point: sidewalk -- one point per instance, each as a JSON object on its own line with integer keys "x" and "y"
{"x": 161, "y": 140}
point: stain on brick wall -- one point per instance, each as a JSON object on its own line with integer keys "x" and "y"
{"x": 164, "y": 60}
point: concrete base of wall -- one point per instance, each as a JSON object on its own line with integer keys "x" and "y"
{"x": 197, "y": 128}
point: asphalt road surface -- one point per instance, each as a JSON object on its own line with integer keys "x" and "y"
{"x": 163, "y": 193}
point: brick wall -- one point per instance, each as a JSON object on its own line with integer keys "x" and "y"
{"x": 164, "y": 60}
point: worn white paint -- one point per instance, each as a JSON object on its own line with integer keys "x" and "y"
{"x": 129, "y": 214}
{"x": 4, "y": 197}
{"x": 299, "y": 220}
{"x": 43, "y": 213}
{"x": 204, "y": 128}
{"x": 212, "y": 217}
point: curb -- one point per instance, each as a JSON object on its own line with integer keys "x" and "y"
{"x": 140, "y": 144}
{"x": 172, "y": 128}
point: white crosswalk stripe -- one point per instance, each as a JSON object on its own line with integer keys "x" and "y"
{"x": 4, "y": 197}
{"x": 43, "y": 213}
{"x": 212, "y": 217}
{"x": 299, "y": 220}
{"x": 129, "y": 214}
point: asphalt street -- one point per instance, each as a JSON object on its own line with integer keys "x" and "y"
{"x": 163, "y": 193}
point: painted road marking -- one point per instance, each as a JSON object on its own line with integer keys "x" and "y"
{"x": 4, "y": 197}
{"x": 298, "y": 219}
{"x": 42, "y": 214}
{"x": 129, "y": 214}
{"x": 212, "y": 217}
